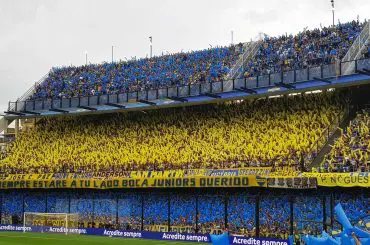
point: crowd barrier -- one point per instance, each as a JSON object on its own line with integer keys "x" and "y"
{"x": 164, "y": 236}
{"x": 196, "y": 178}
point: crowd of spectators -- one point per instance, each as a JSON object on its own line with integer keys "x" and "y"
{"x": 242, "y": 214}
{"x": 273, "y": 132}
{"x": 123, "y": 210}
{"x": 127, "y": 76}
{"x": 308, "y": 48}
{"x": 182, "y": 210}
{"x": 308, "y": 214}
{"x": 351, "y": 151}
{"x": 274, "y": 216}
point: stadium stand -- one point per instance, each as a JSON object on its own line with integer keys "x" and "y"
{"x": 350, "y": 151}
{"x": 221, "y": 136}
{"x": 306, "y": 49}
{"x": 127, "y": 76}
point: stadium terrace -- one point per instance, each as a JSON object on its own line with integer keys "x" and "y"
{"x": 267, "y": 168}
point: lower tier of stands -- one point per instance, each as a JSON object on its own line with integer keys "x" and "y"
{"x": 253, "y": 212}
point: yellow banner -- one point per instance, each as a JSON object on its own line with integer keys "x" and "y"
{"x": 341, "y": 179}
{"x": 242, "y": 181}
{"x": 260, "y": 171}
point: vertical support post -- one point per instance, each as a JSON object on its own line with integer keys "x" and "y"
{"x": 69, "y": 203}
{"x": 211, "y": 88}
{"x": 93, "y": 212}
{"x": 16, "y": 128}
{"x": 269, "y": 79}
{"x": 291, "y": 220}
{"x": 257, "y": 215}
{"x": 257, "y": 83}
{"x": 117, "y": 213}
{"x": 308, "y": 73}
{"x": 331, "y": 209}
{"x": 46, "y": 201}
{"x": 282, "y": 76}
{"x": 324, "y": 213}
{"x": 177, "y": 91}
{"x": 169, "y": 212}
{"x": 233, "y": 84}
{"x": 340, "y": 68}
{"x": 24, "y": 220}
{"x": 295, "y": 75}
{"x": 142, "y": 212}
{"x": 196, "y": 214}
{"x": 226, "y": 208}
{"x": 321, "y": 71}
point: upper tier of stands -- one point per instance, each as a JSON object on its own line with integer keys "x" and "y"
{"x": 306, "y": 49}
{"x": 350, "y": 152}
{"x": 266, "y": 132}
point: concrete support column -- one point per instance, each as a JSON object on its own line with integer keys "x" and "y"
{"x": 16, "y": 128}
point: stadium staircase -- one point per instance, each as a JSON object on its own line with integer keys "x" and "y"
{"x": 356, "y": 50}
{"x": 331, "y": 139}
{"x": 251, "y": 49}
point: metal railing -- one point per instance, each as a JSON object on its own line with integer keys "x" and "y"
{"x": 251, "y": 49}
{"x": 264, "y": 81}
{"x": 357, "y": 48}
{"x": 324, "y": 138}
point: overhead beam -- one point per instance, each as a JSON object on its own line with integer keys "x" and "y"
{"x": 58, "y": 110}
{"x": 147, "y": 102}
{"x": 14, "y": 113}
{"x": 116, "y": 105}
{"x": 285, "y": 85}
{"x": 216, "y": 96}
{"x": 178, "y": 99}
{"x": 322, "y": 80}
{"x": 247, "y": 90}
{"x": 31, "y": 112}
{"x": 87, "y": 108}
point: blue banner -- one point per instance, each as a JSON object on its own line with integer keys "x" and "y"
{"x": 169, "y": 236}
